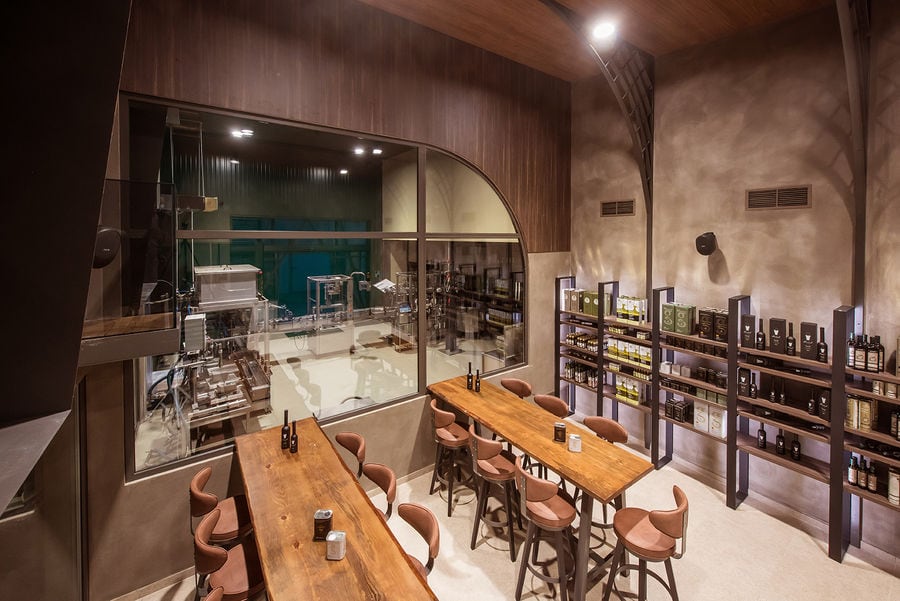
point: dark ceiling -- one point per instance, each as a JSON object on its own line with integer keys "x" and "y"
{"x": 531, "y": 33}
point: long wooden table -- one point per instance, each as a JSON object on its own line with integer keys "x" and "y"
{"x": 602, "y": 470}
{"x": 284, "y": 490}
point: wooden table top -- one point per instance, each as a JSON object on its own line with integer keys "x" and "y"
{"x": 284, "y": 490}
{"x": 602, "y": 468}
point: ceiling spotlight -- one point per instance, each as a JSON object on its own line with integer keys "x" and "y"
{"x": 604, "y": 30}
{"x": 344, "y": 172}
{"x": 359, "y": 150}
{"x": 234, "y": 161}
{"x": 242, "y": 133}
{"x": 376, "y": 151}
{"x": 247, "y": 132}
{"x": 237, "y": 133}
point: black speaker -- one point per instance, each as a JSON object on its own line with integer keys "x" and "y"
{"x": 106, "y": 247}
{"x": 706, "y": 244}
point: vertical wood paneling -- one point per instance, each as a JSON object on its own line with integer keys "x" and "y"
{"x": 339, "y": 63}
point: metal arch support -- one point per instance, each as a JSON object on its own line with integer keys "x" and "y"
{"x": 629, "y": 73}
{"x": 853, "y": 16}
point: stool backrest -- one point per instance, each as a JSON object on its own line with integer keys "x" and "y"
{"x": 607, "y": 429}
{"x": 518, "y": 387}
{"x": 553, "y": 404}
{"x": 386, "y": 480}
{"x": 481, "y": 448}
{"x": 441, "y": 418}
{"x": 208, "y": 558}
{"x": 673, "y": 522}
{"x": 532, "y": 488}
{"x": 201, "y": 502}
{"x": 424, "y": 522}
{"x": 354, "y": 443}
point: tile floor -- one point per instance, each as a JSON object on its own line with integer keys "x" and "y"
{"x": 742, "y": 555}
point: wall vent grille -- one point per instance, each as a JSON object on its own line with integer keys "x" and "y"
{"x": 790, "y": 197}
{"x": 617, "y": 208}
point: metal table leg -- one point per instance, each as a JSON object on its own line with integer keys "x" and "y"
{"x": 584, "y": 546}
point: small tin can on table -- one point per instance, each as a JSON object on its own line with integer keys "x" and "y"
{"x": 335, "y": 545}
{"x": 559, "y": 432}
{"x": 322, "y": 523}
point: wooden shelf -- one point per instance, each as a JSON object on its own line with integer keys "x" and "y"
{"x": 584, "y": 316}
{"x": 577, "y": 349}
{"x": 694, "y": 382}
{"x": 678, "y": 349}
{"x": 634, "y": 339}
{"x": 581, "y": 360}
{"x": 644, "y": 326}
{"x": 884, "y": 376}
{"x": 821, "y": 382}
{"x": 874, "y": 435}
{"x": 695, "y": 338}
{"x": 628, "y": 362}
{"x": 857, "y": 391}
{"x": 689, "y": 396}
{"x": 892, "y": 461}
{"x": 787, "y": 427}
{"x": 583, "y": 326}
{"x": 807, "y": 466}
{"x": 879, "y": 498}
{"x": 690, "y": 427}
{"x": 792, "y": 359}
{"x": 622, "y": 402}
{"x": 579, "y": 384}
{"x": 800, "y": 414}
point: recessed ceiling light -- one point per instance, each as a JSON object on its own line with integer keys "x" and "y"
{"x": 344, "y": 172}
{"x": 376, "y": 151}
{"x": 234, "y": 161}
{"x": 247, "y": 132}
{"x": 359, "y": 150}
{"x": 242, "y": 133}
{"x": 604, "y": 30}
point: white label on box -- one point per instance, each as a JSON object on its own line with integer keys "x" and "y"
{"x": 701, "y": 416}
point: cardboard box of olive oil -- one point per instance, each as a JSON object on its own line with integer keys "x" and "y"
{"x": 706, "y": 319}
{"x": 668, "y": 317}
{"x": 777, "y": 335}
{"x": 748, "y": 330}
{"x": 685, "y": 318}
{"x": 720, "y": 325}
{"x": 717, "y": 420}
{"x": 701, "y": 416}
{"x": 808, "y": 342}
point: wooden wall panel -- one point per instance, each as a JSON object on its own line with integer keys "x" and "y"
{"x": 340, "y": 63}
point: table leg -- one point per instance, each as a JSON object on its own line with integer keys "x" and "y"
{"x": 584, "y": 546}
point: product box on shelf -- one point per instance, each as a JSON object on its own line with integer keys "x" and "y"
{"x": 748, "y": 330}
{"x": 777, "y": 334}
{"x": 851, "y": 420}
{"x": 701, "y": 416}
{"x": 743, "y": 381}
{"x": 668, "y": 317}
{"x": 685, "y": 318}
{"x": 808, "y": 342}
{"x": 706, "y": 319}
{"x": 720, "y": 325}
{"x": 717, "y": 420}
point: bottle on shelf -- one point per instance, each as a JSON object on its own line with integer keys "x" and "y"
{"x": 862, "y": 477}
{"x": 790, "y": 343}
{"x": 469, "y": 377}
{"x": 760, "y": 337}
{"x": 285, "y": 432}
{"x": 477, "y": 380}
{"x": 761, "y": 436}
{"x": 294, "y": 436}
{"x": 825, "y": 404}
{"x": 852, "y": 470}
{"x": 754, "y": 391}
{"x": 880, "y": 348}
{"x": 851, "y": 352}
{"x": 773, "y": 394}
{"x": 859, "y": 353}
{"x": 779, "y": 444}
{"x": 822, "y": 348}
{"x": 872, "y": 355}
{"x": 795, "y": 449}
{"x": 812, "y": 406}
{"x": 873, "y": 478}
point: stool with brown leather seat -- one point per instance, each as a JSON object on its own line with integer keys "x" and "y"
{"x": 234, "y": 521}
{"x": 548, "y": 512}
{"x": 452, "y": 441}
{"x": 424, "y": 522}
{"x": 611, "y": 431}
{"x": 236, "y": 570}
{"x": 649, "y": 536}
{"x": 354, "y": 443}
{"x": 495, "y": 467}
{"x": 558, "y": 408}
{"x": 386, "y": 480}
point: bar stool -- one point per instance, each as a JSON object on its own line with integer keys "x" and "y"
{"x": 424, "y": 522}
{"x": 559, "y": 408}
{"x": 236, "y": 570}
{"x": 386, "y": 480}
{"x": 452, "y": 441}
{"x": 494, "y": 467}
{"x": 650, "y": 536}
{"x": 548, "y": 513}
{"x": 234, "y": 521}
{"x": 521, "y": 389}
{"x": 354, "y": 443}
{"x": 611, "y": 431}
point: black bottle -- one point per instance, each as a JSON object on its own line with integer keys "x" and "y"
{"x": 782, "y": 397}
{"x": 851, "y": 352}
{"x": 795, "y": 449}
{"x": 760, "y": 337}
{"x": 872, "y": 355}
{"x": 880, "y": 348}
{"x": 779, "y": 444}
{"x": 822, "y": 348}
{"x": 862, "y": 478}
{"x": 477, "y": 380}
{"x": 469, "y": 377}
{"x": 812, "y": 407}
{"x": 773, "y": 396}
{"x": 285, "y": 432}
{"x": 859, "y": 353}
{"x": 873, "y": 478}
{"x": 825, "y": 404}
{"x": 761, "y": 437}
{"x": 852, "y": 470}
{"x": 754, "y": 391}
{"x": 790, "y": 343}
{"x": 294, "y": 436}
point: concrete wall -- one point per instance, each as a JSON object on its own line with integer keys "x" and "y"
{"x": 767, "y": 108}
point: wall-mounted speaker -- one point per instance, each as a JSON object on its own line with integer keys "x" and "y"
{"x": 706, "y": 244}
{"x": 106, "y": 246}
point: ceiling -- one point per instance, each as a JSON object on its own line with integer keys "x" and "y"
{"x": 531, "y": 33}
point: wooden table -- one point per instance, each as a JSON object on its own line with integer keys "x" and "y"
{"x": 283, "y": 492}
{"x": 602, "y": 470}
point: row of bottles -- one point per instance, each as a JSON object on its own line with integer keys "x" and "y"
{"x": 780, "y": 445}
{"x": 588, "y": 342}
{"x": 858, "y": 474}
{"x": 629, "y": 390}
{"x": 788, "y": 345}
{"x": 864, "y": 354}
{"x": 582, "y": 374}
{"x": 473, "y": 382}
{"x": 289, "y": 434}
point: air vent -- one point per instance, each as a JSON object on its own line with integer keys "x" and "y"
{"x": 793, "y": 197}
{"x": 617, "y": 208}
